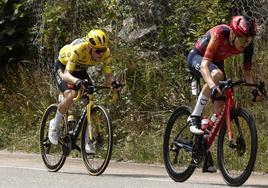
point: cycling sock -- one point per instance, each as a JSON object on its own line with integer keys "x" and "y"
{"x": 58, "y": 118}
{"x": 201, "y": 103}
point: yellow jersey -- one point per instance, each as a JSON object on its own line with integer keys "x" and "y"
{"x": 76, "y": 57}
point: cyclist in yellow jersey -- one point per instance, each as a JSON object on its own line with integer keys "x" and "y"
{"x": 71, "y": 74}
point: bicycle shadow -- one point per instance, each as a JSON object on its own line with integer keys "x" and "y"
{"x": 260, "y": 186}
{"x": 118, "y": 175}
{"x": 244, "y": 185}
{"x": 222, "y": 184}
{"x": 148, "y": 176}
{"x": 135, "y": 176}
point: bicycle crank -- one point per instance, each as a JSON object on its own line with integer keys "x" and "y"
{"x": 198, "y": 151}
{"x": 67, "y": 145}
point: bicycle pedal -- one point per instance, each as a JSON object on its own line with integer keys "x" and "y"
{"x": 197, "y": 153}
{"x": 197, "y": 159}
{"x": 75, "y": 146}
{"x": 193, "y": 163}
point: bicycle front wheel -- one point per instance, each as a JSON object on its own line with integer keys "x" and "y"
{"x": 52, "y": 155}
{"x": 101, "y": 142}
{"x": 178, "y": 146}
{"x": 237, "y": 162}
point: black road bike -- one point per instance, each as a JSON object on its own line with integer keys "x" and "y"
{"x": 95, "y": 127}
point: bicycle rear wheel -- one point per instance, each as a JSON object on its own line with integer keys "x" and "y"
{"x": 101, "y": 129}
{"x": 178, "y": 146}
{"x": 52, "y": 155}
{"x": 236, "y": 163}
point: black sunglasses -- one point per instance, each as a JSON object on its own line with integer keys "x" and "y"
{"x": 99, "y": 51}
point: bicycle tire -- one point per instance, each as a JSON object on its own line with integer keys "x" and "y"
{"x": 103, "y": 152}
{"x": 244, "y": 128}
{"x": 183, "y": 135}
{"x": 46, "y": 148}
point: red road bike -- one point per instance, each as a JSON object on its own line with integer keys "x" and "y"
{"x": 236, "y": 147}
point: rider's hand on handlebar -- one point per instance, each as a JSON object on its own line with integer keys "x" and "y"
{"x": 116, "y": 85}
{"x": 259, "y": 92}
{"x": 81, "y": 84}
{"x": 257, "y": 95}
{"x": 215, "y": 91}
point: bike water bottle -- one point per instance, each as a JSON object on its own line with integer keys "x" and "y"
{"x": 71, "y": 122}
{"x": 213, "y": 117}
{"x": 194, "y": 87}
{"x": 207, "y": 124}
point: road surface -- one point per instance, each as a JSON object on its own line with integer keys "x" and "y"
{"x": 19, "y": 170}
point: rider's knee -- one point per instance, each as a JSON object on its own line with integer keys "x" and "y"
{"x": 217, "y": 75}
{"x": 70, "y": 94}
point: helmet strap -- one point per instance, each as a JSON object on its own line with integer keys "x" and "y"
{"x": 233, "y": 39}
{"x": 90, "y": 50}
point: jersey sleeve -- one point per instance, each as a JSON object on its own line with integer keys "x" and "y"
{"x": 212, "y": 46}
{"x": 106, "y": 62}
{"x": 248, "y": 54}
{"x": 72, "y": 61}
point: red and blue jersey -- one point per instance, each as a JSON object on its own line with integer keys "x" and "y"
{"x": 215, "y": 46}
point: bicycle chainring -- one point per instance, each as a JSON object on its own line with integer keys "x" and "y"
{"x": 198, "y": 151}
{"x": 67, "y": 145}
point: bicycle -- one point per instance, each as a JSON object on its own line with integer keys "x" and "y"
{"x": 95, "y": 126}
{"x": 237, "y": 140}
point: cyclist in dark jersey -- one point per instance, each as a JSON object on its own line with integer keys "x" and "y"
{"x": 206, "y": 60}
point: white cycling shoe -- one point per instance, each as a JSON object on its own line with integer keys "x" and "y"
{"x": 195, "y": 130}
{"x": 53, "y": 132}
{"x": 90, "y": 148}
{"x": 194, "y": 121}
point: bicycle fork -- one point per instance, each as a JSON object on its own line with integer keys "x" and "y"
{"x": 95, "y": 119}
{"x": 89, "y": 126}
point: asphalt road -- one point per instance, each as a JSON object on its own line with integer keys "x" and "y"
{"x": 27, "y": 170}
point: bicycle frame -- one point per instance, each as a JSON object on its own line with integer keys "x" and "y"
{"x": 79, "y": 124}
{"x": 225, "y": 114}
{"x": 88, "y": 112}
{"x": 89, "y": 106}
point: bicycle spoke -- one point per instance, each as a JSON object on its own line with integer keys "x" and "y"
{"x": 101, "y": 142}
{"x": 236, "y": 162}
{"x": 52, "y": 155}
{"x": 177, "y": 147}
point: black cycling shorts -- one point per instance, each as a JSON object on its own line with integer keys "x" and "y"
{"x": 194, "y": 61}
{"x": 63, "y": 85}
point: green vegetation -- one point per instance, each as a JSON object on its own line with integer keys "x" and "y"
{"x": 149, "y": 40}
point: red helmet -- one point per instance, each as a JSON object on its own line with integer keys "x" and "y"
{"x": 243, "y": 26}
